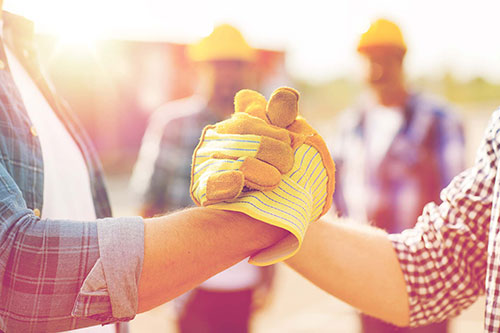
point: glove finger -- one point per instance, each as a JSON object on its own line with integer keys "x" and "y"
{"x": 301, "y": 126}
{"x": 283, "y": 107}
{"x": 276, "y": 153}
{"x": 222, "y": 186}
{"x": 233, "y": 145}
{"x": 244, "y": 124}
{"x": 299, "y": 131}
{"x": 207, "y": 171}
{"x": 260, "y": 175}
{"x": 267, "y": 149}
{"x": 250, "y": 102}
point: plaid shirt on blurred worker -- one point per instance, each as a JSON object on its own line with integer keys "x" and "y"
{"x": 452, "y": 255}
{"x": 390, "y": 163}
{"x": 162, "y": 174}
{"x": 55, "y": 274}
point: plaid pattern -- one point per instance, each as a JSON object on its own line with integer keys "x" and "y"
{"x": 452, "y": 255}
{"x": 172, "y": 135}
{"x": 44, "y": 263}
{"x": 423, "y": 157}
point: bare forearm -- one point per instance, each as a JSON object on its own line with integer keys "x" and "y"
{"x": 185, "y": 248}
{"x": 356, "y": 264}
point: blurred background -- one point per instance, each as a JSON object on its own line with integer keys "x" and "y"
{"x": 115, "y": 62}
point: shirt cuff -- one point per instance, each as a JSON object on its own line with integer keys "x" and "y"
{"x": 110, "y": 291}
{"x": 401, "y": 245}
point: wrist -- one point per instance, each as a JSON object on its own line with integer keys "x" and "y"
{"x": 254, "y": 234}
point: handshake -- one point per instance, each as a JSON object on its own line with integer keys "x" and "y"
{"x": 269, "y": 163}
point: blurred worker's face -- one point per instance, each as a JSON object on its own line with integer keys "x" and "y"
{"x": 385, "y": 70}
{"x": 223, "y": 79}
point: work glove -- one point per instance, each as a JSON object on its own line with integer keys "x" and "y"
{"x": 267, "y": 162}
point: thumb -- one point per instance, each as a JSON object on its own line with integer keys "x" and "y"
{"x": 283, "y": 107}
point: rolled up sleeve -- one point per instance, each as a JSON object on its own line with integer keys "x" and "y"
{"x": 109, "y": 292}
{"x": 58, "y": 275}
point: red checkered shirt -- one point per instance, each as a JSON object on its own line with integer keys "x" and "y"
{"x": 452, "y": 255}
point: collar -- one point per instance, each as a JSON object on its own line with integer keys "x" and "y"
{"x": 18, "y": 33}
{"x": 408, "y": 111}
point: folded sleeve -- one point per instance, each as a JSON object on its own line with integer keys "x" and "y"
{"x": 59, "y": 275}
{"x": 109, "y": 293}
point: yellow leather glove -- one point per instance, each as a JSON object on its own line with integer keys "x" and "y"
{"x": 265, "y": 146}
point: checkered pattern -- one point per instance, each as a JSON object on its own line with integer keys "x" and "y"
{"x": 452, "y": 255}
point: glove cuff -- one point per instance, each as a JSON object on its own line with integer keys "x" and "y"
{"x": 288, "y": 207}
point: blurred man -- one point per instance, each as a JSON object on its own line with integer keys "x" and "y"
{"x": 63, "y": 264}
{"x": 226, "y": 64}
{"x": 395, "y": 150}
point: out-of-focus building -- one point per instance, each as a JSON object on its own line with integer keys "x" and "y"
{"x": 114, "y": 85}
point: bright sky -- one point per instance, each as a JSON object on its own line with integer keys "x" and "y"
{"x": 320, "y": 36}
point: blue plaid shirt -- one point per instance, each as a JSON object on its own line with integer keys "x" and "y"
{"x": 424, "y": 156}
{"x": 55, "y": 275}
{"x": 162, "y": 173}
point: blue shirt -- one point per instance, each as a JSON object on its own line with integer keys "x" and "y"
{"x": 423, "y": 157}
{"x": 55, "y": 274}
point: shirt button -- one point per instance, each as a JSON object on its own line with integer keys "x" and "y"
{"x": 36, "y": 211}
{"x": 2, "y": 65}
{"x": 33, "y": 131}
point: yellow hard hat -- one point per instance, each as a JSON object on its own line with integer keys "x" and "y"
{"x": 224, "y": 43}
{"x": 382, "y": 33}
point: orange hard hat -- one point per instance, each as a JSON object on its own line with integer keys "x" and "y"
{"x": 382, "y": 33}
{"x": 224, "y": 43}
